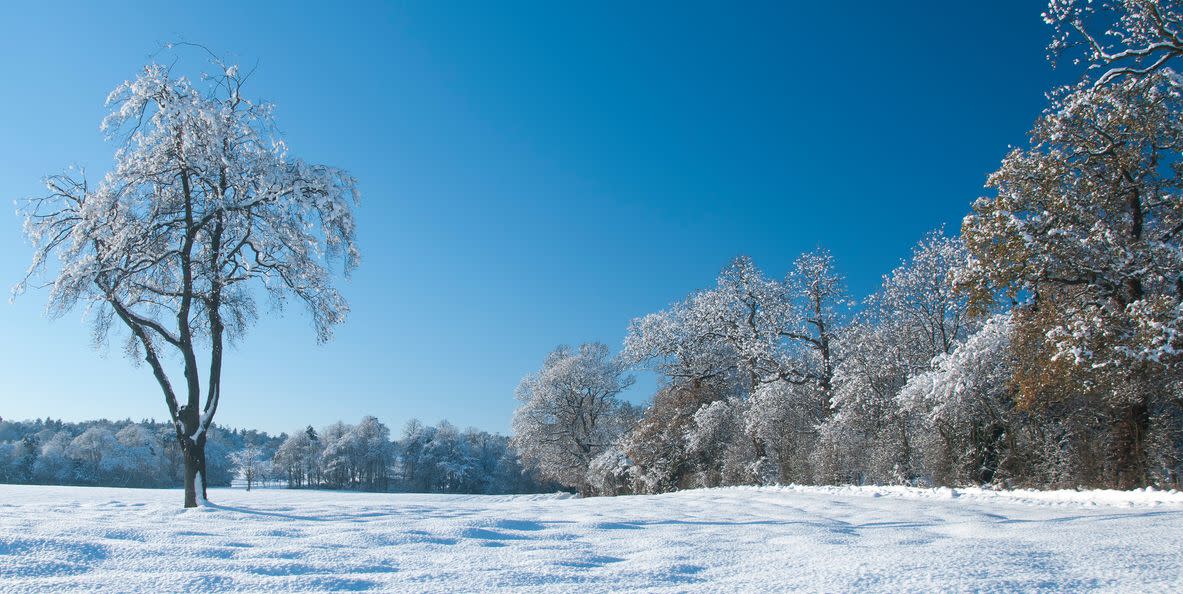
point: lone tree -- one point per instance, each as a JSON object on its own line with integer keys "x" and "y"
{"x": 203, "y": 213}
{"x": 248, "y": 464}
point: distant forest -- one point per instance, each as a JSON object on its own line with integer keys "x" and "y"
{"x": 428, "y": 459}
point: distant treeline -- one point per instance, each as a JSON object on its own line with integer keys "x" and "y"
{"x": 439, "y": 459}
{"x": 110, "y": 453}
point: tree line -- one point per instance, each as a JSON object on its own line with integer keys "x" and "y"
{"x": 111, "y": 453}
{"x": 1040, "y": 347}
{"x": 362, "y": 456}
{"x": 426, "y": 459}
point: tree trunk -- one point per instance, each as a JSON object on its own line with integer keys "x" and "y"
{"x": 1131, "y": 455}
{"x": 195, "y": 478}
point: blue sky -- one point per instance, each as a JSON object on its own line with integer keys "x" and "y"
{"x": 532, "y": 174}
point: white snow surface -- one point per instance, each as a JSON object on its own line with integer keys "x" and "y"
{"x": 61, "y": 539}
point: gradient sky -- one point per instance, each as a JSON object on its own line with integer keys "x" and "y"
{"x": 532, "y": 174}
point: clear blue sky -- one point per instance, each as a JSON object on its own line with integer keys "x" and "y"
{"x": 532, "y": 174}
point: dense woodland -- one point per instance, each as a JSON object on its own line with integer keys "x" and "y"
{"x": 1040, "y": 347}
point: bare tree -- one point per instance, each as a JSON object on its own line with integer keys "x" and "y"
{"x": 203, "y": 209}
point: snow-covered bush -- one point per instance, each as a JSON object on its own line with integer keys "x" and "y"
{"x": 610, "y": 473}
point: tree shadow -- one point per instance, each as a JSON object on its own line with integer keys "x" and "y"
{"x": 269, "y": 514}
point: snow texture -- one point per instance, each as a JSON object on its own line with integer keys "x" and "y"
{"x": 55, "y": 539}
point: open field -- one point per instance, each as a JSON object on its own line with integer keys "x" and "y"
{"x": 56, "y": 539}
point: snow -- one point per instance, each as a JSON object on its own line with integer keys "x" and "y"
{"x": 199, "y": 481}
{"x": 55, "y": 539}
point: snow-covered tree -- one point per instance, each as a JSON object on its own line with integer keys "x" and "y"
{"x": 248, "y": 464}
{"x": 415, "y": 438}
{"x": 1124, "y": 39}
{"x": 657, "y": 445}
{"x": 448, "y": 460}
{"x": 770, "y": 340}
{"x": 1089, "y": 218}
{"x": 8, "y": 472}
{"x": 569, "y": 413}
{"x": 445, "y": 459}
{"x": 749, "y": 325}
{"x": 719, "y": 446}
{"x": 920, "y": 297}
{"x": 374, "y": 454}
{"x": 867, "y": 438}
{"x": 348, "y": 456}
{"x": 203, "y": 208}
{"x": 138, "y": 456}
{"x": 731, "y": 328}
{"x": 93, "y": 452}
{"x": 915, "y": 316}
{"x": 1084, "y": 229}
{"x": 297, "y": 457}
{"x": 52, "y": 464}
{"x": 963, "y": 405}
{"x": 218, "y": 447}
{"x": 609, "y": 473}
{"x": 820, "y": 294}
{"x": 338, "y": 457}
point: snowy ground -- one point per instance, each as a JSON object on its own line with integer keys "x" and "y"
{"x": 57, "y": 539}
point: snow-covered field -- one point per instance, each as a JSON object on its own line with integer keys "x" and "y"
{"x": 60, "y": 539}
